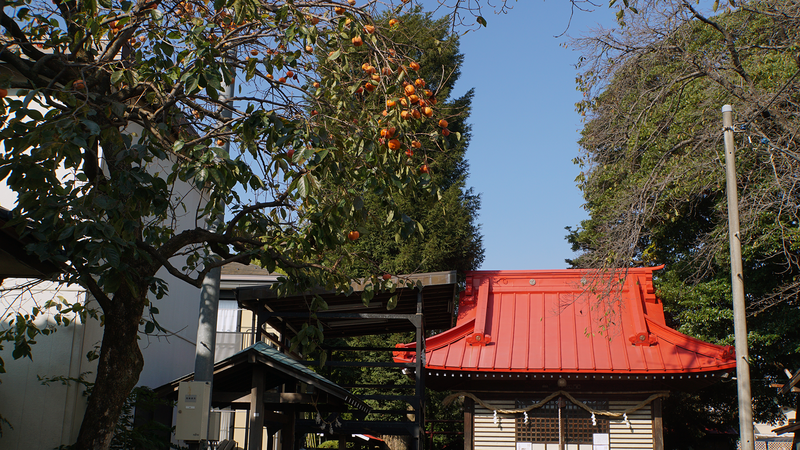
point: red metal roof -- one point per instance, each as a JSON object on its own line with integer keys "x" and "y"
{"x": 565, "y": 321}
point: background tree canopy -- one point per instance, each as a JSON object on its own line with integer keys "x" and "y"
{"x": 654, "y": 180}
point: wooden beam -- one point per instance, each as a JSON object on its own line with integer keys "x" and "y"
{"x": 230, "y": 397}
{"x": 286, "y": 407}
{"x": 296, "y": 398}
{"x": 275, "y": 400}
{"x": 783, "y": 386}
{"x": 270, "y": 416}
{"x": 787, "y": 428}
{"x": 792, "y": 383}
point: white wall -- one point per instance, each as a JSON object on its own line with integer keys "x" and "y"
{"x": 48, "y": 416}
{"x": 170, "y": 355}
{"x": 45, "y": 416}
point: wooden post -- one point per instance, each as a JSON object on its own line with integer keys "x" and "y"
{"x": 256, "y": 408}
{"x": 658, "y": 425}
{"x": 562, "y": 424}
{"x": 288, "y": 430}
{"x": 796, "y": 438}
{"x": 469, "y": 423}
{"x": 260, "y": 322}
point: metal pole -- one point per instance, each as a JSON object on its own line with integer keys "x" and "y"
{"x": 209, "y": 298}
{"x": 207, "y": 327}
{"x": 737, "y": 284}
{"x": 419, "y": 388}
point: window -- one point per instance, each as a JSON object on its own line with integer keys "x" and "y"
{"x": 575, "y": 425}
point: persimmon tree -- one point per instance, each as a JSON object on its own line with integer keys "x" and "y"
{"x": 116, "y": 129}
{"x": 451, "y": 239}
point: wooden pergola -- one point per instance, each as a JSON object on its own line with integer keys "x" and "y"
{"x": 791, "y": 386}
{"x": 431, "y": 307}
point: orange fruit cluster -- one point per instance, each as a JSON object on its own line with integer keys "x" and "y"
{"x": 412, "y": 101}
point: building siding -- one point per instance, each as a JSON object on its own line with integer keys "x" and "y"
{"x": 494, "y": 436}
{"x": 637, "y": 434}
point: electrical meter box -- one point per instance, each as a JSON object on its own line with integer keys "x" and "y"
{"x": 194, "y": 405}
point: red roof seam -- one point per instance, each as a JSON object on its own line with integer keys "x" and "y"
{"x": 558, "y": 333}
{"x": 607, "y": 346}
{"x": 630, "y": 311}
{"x": 526, "y": 355}
{"x": 494, "y": 326}
{"x": 575, "y": 330}
{"x": 591, "y": 336}
{"x": 543, "y": 333}
{"x": 463, "y": 349}
{"x": 510, "y": 332}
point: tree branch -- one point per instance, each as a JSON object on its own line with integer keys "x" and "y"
{"x": 730, "y": 42}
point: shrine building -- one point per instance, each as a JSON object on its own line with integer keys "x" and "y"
{"x": 565, "y": 360}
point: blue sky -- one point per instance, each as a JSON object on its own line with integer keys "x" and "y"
{"x": 525, "y": 131}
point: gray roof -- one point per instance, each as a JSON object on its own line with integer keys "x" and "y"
{"x": 304, "y": 374}
{"x": 282, "y": 367}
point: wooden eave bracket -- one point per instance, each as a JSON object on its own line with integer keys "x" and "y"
{"x": 787, "y": 428}
{"x": 792, "y": 383}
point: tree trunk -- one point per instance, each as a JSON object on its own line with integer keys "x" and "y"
{"x": 118, "y": 370}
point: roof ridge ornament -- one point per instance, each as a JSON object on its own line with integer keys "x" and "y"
{"x": 644, "y": 339}
{"x": 480, "y": 339}
{"x": 727, "y": 353}
{"x": 479, "y": 336}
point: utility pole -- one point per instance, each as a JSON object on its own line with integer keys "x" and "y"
{"x": 209, "y": 298}
{"x": 746, "y": 436}
{"x": 209, "y": 294}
